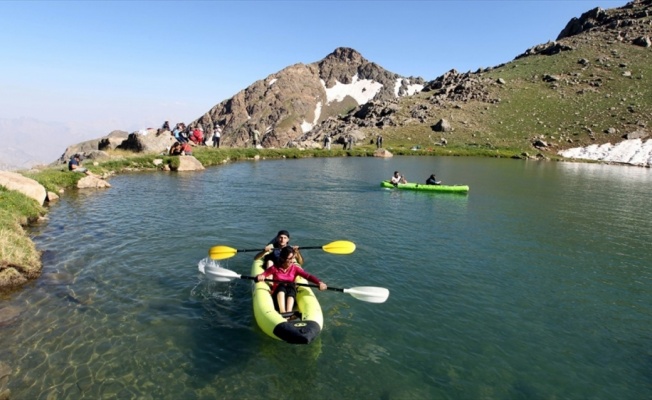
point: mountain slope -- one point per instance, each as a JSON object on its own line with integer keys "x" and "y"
{"x": 289, "y": 103}
{"x": 590, "y": 86}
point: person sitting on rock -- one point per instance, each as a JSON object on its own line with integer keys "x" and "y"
{"x": 197, "y": 136}
{"x": 75, "y": 166}
{"x": 186, "y": 150}
{"x": 176, "y": 149}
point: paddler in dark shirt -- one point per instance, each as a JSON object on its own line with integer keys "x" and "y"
{"x": 272, "y": 251}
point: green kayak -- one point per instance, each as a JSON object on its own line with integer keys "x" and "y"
{"x": 427, "y": 188}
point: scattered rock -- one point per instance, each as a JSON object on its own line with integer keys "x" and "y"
{"x": 638, "y": 134}
{"x": 28, "y": 187}
{"x": 52, "y": 197}
{"x": 642, "y": 41}
{"x": 383, "y": 153}
{"x": 92, "y": 182}
{"x": 188, "y": 163}
{"x": 442, "y": 126}
{"x": 8, "y": 315}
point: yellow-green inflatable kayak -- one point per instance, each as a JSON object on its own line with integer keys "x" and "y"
{"x": 302, "y": 330}
{"x": 427, "y": 188}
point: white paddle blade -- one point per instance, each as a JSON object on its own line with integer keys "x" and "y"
{"x": 369, "y": 294}
{"x": 217, "y": 274}
{"x": 206, "y": 262}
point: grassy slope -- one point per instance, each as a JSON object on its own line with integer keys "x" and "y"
{"x": 574, "y": 111}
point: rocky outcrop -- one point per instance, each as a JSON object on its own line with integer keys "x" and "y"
{"x": 28, "y": 187}
{"x": 286, "y": 105}
{"x": 110, "y": 141}
{"x": 627, "y": 24}
{"x": 148, "y": 142}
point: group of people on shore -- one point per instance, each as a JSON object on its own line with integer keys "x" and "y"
{"x": 282, "y": 263}
{"x": 398, "y": 178}
{"x": 195, "y": 136}
{"x": 187, "y": 136}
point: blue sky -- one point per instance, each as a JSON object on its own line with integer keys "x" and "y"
{"x": 132, "y": 64}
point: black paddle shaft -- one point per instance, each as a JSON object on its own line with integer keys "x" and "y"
{"x": 253, "y": 278}
{"x": 300, "y": 248}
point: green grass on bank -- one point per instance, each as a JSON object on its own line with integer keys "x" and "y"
{"x": 16, "y": 248}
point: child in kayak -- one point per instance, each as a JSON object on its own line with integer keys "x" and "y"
{"x": 286, "y": 271}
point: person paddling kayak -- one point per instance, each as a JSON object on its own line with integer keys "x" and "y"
{"x": 432, "y": 180}
{"x": 272, "y": 251}
{"x": 286, "y": 271}
{"x": 397, "y": 178}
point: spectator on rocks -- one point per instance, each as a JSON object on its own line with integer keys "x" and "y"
{"x": 255, "y": 136}
{"x": 197, "y": 136}
{"x": 164, "y": 128}
{"x": 379, "y": 141}
{"x": 186, "y": 150}
{"x": 176, "y": 149}
{"x": 217, "y": 134}
{"x": 177, "y": 133}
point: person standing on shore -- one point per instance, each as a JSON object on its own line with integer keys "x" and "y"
{"x": 217, "y": 134}
{"x": 255, "y": 136}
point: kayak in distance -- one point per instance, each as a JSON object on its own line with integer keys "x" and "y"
{"x": 427, "y": 188}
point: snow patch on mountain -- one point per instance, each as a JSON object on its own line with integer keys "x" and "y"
{"x": 633, "y": 152}
{"x": 362, "y": 90}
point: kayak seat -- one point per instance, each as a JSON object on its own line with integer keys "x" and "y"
{"x": 296, "y": 314}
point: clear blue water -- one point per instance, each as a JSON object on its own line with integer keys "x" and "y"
{"x": 535, "y": 285}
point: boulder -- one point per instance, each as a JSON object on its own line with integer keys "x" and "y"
{"x": 92, "y": 182}
{"x": 638, "y": 134}
{"x": 89, "y": 148}
{"x": 28, "y": 187}
{"x": 52, "y": 197}
{"x": 188, "y": 163}
{"x": 148, "y": 142}
{"x": 442, "y": 126}
{"x": 383, "y": 153}
{"x": 112, "y": 140}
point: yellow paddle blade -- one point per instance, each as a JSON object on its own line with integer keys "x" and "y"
{"x": 339, "y": 247}
{"x": 221, "y": 252}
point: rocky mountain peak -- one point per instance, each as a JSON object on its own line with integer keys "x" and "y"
{"x": 289, "y": 103}
{"x": 629, "y": 16}
{"x": 345, "y": 55}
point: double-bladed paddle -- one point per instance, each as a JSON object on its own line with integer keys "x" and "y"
{"x": 336, "y": 247}
{"x": 369, "y": 294}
